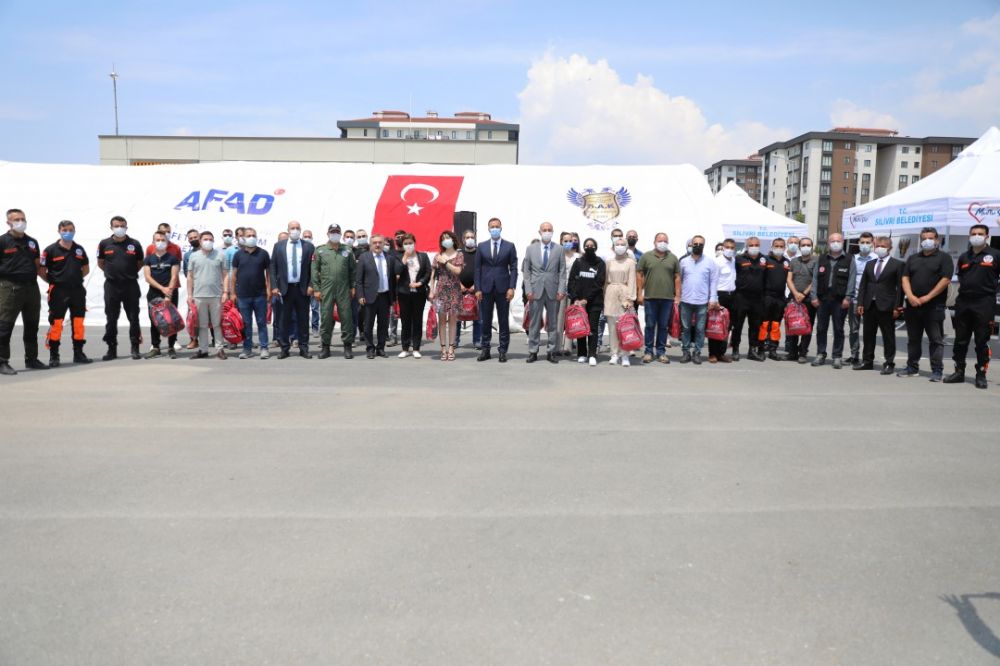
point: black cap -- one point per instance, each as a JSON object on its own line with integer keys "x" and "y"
{"x": 333, "y": 228}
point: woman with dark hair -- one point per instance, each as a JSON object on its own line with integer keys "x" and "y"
{"x": 446, "y": 291}
{"x": 413, "y": 271}
{"x": 586, "y": 288}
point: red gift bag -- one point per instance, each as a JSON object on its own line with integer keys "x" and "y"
{"x": 232, "y": 323}
{"x": 267, "y": 317}
{"x": 675, "y": 323}
{"x": 717, "y": 325}
{"x": 192, "y": 320}
{"x": 797, "y": 319}
{"x": 630, "y": 336}
{"x": 432, "y": 324}
{"x": 577, "y": 322}
{"x": 470, "y": 308}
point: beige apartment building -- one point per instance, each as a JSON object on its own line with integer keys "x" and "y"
{"x": 745, "y": 173}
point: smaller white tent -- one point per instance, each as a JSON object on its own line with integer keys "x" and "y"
{"x": 742, "y": 217}
{"x": 962, "y": 193}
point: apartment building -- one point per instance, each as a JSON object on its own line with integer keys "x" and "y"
{"x": 746, "y": 174}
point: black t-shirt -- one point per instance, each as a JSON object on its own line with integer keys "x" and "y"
{"x": 468, "y": 275}
{"x": 978, "y": 274}
{"x": 251, "y": 270}
{"x": 776, "y": 276}
{"x": 750, "y": 273}
{"x": 160, "y": 267}
{"x": 17, "y": 258}
{"x": 926, "y": 270}
{"x": 122, "y": 259}
{"x": 65, "y": 266}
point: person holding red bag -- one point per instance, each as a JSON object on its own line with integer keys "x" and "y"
{"x": 619, "y": 295}
{"x": 413, "y": 272}
{"x": 800, "y": 279}
{"x": 585, "y": 288}
{"x": 699, "y": 294}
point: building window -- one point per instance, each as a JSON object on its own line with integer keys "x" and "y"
{"x": 955, "y": 150}
{"x": 847, "y": 160}
{"x": 824, "y": 190}
{"x": 934, "y": 149}
{"x": 934, "y": 164}
{"x": 454, "y": 134}
{"x": 826, "y": 160}
{"x": 865, "y": 191}
{"x": 440, "y": 134}
{"x": 916, "y": 165}
{"x": 385, "y": 134}
{"x": 824, "y": 204}
{"x": 825, "y": 175}
{"x": 906, "y": 149}
{"x": 468, "y": 134}
{"x": 847, "y": 145}
{"x": 489, "y": 134}
{"x": 865, "y": 177}
{"x": 845, "y": 190}
{"x": 917, "y": 150}
{"x": 904, "y": 165}
{"x": 365, "y": 132}
{"x": 915, "y": 179}
{"x": 868, "y": 163}
{"x": 399, "y": 134}
{"x": 903, "y": 181}
{"x": 847, "y": 175}
{"x": 827, "y": 146}
{"x": 868, "y": 147}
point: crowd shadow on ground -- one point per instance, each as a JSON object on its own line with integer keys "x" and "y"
{"x": 980, "y": 632}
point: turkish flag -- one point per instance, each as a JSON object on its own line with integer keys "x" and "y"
{"x": 422, "y": 205}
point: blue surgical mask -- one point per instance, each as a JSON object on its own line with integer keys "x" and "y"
{"x": 568, "y": 246}
{"x": 67, "y": 235}
{"x": 495, "y": 233}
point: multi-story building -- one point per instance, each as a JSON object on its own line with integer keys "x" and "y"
{"x": 817, "y": 175}
{"x": 746, "y": 174}
{"x": 386, "y": 137}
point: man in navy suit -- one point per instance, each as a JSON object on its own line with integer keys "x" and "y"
{"x": 496, "y": 278}
{"x": 291, "y": 263}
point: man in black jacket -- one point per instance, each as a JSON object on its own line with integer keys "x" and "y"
{"x": 748, "y": 301}
{"x": 291, "y": 263}
{"x": 376, "y": 289}
{"x": 880, "y": 303}
{"x": 833, "y": 289}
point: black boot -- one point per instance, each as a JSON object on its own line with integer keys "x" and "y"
{"x": 112, "y": 354}
{"x": 324, "y": 351}
{"x": 135, "y": 353}
{"x": 348, "y": 351}
{"x": 981, "y": 380}
{"x": 53, "y": 354}
{"x": 956, "y": 377}
{"x": 78, "y": 355}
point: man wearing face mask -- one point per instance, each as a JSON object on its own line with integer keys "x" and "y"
{"x": 833, "y": 290}
{"x": 193, "y": 240}
{"x": 20, "y": 266}
{"x": 726, "y": 262}
{"x": 290, "y": 264}
{"x": 978, "y": 276}
{"x": 161, "y": 269}
{"x": 748, "y": 301}
{"x": 495, "y": 278}
{"x": 802, "y": 271}
{"x": 658, "y": 283}
{"x": 699, "y": 288}
{"x": 172, "y": 247}
{"x": 376, "y": 289}
{"x": 250, "y": 287}
{"x": 207, "y": 284}
{"x": 861, "y": 259}
{"x": 360, "y": 247}
{"x": 64, "y": 264}
{"x": 792, "y": 248}
{"x": 333, "y": 277}
{"x": 233, "y": 244}
{"x": 880, "y": 302}
{"x": 545, "y": 287}
{"x": 120, "y": 258}
{"x": 632, "y": 238}
{"x": 776, "y": 272}
{"x": 925, "y": 284}
{"x": 468, "y": 279}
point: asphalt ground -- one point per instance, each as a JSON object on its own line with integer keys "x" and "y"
{"x": 419, "y": 512}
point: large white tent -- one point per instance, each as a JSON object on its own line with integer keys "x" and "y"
{"x": 591, "y": 200}
{"x": 962, "y": 193}
{"x": 742, "y": 217}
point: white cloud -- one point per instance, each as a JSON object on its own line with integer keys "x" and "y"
{"x": 846, "y": 113}
{"x": 574, "y": 111}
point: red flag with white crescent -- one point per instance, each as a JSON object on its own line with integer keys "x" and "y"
{"x": 422, "y": 205}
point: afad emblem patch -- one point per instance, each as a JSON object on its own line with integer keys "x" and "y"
{"x": 600, "y": 207}
{"x": 988, "y": 259}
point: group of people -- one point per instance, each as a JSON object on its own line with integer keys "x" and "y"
{"x": 372, "y": 283}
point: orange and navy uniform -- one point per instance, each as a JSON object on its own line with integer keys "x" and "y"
{"x": 64, "y": 268}
{"x": 775, "y": 283}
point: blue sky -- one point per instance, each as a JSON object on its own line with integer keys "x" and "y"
{"x": 590, "y": 82}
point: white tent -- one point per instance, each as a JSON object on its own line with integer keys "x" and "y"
{"x": 962, "y": 193}
{"x": 742, "y": 217}
{"x": 591, "y": 200}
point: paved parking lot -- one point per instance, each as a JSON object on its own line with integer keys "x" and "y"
{"x": 420, "y": 512}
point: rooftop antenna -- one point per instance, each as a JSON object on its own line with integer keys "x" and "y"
{"x": 114, "y": 86}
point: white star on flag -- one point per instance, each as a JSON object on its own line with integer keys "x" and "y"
{"x": 415, "y": 209}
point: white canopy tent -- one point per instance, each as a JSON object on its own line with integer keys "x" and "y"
{"x": 962, "y": 193}
{"x": 742, "y": 217}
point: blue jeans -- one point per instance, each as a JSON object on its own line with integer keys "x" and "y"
{"x": 658, "y": 311}
{"x": 693, "y": 336}
{"x": 477, "y": 333}
{"x": 251, "y": 308}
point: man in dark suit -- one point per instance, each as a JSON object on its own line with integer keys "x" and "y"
{"x": 880, "y": 302}
{"x": 291, "y": 263}
{"x": 376, "y": 288}
{"x": 495, "y": 279}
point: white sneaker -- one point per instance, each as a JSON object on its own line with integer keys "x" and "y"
{"x": 613, "y": 360}
{"x": 245, "y": 355}
{"x": 403, "y": 354}
{"x": 581, "y": 359}
{"x": 264, "y": 354}
{"x": 593, "y": 361}
{"x": 417, "y": 354}
{"x": 625, "y": 362}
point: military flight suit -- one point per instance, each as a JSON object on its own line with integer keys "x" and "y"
{"x": 333, "y": 270}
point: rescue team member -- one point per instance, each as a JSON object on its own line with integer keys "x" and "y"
{"x": 800, "y": 280}
{"x": 833, "y": 291}
{"x": 120, "y": 257}
{"x": 978, "y": 275}
{"x": 19, "y": 268}
{"x": 726, "y": 261}
{"x": 775, "y": 281}
{"x": 333, "y": 272}
{"x": 64, "y": 265}
{"x": 161, "y": 270}
{"x": 925, "y": 282}
{"x": 880, "y": 303}
{"x": 854, "y": 321}
{"x": 748, "y": 302}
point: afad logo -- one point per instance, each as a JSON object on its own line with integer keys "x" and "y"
{"x": 221, "y": 200}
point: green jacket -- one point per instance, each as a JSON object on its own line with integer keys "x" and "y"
{"x": 332, "y": 269}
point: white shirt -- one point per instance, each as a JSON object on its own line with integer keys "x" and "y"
{"x": 860, "y": 261}
{"x": 383, "y": 272}
{"x": 727, "y": 273}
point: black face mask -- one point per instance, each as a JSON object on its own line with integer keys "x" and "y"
{"x": 632, "y": 242}
{"x": 590, "y": 252}
{"x": 195, "y": 243}
{"x": 697, "y": 249}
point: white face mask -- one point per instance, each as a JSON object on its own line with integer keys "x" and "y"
{"x": 793, "y": 248}
{"x": 836, "y": 246}
{"x": 977, "y": 241}
{"x": 753, "y": 250}
{"x": 470, "y": 243}
{"x": 161, "y": 246}
{"x": 227, "y": 240}
{"x": 334, "y": 238}
{"x": 777, "y": 252}
{"x": 295, "y": 234}
{"x": 119, "y": 232}
{"x": 447, "y": 243}
{"x": 362, "y": 240}
{"x": 865, "y": 248}
{"x": 662, "y": 246}
{"x": 408, "y": 247}
{"x": 620, "y": 250}
{"x": 250, "y": 241}
{"x": 207, "y": 245}
{"x": 349, "y": 242}
{"x": 881, "y": 252}
{"x": 19, "y": 226}
{"x": 806, "y": 250}
{"x": 727, "y": 253}
{"x": 546, "y": 236}
{"x": 928, "y": 244}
